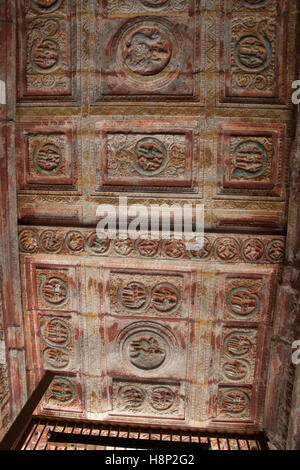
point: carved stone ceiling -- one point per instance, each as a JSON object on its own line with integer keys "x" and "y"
{"x": 152, "y": 331}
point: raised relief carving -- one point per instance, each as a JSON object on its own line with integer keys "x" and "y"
{"x": 234, "y": 403}
{"x": 256, "y": 64}
{"x": 251, "y": 159}
{"x": 28, "y": 241}
{"x": 46, "y": 55}
{"x": 146, "y": 346}
{"x": 147, "y": 50}
{"x": 138, "y": 294}
{"x": 61, "y": 392}
{"x": 46, "y": 154}
{"x": 146, "y": 352}
{"x": 131, "y": 155}
{"x": 115, "y": 7}
{"x": 238, "y": 355}
{"x": 53, "y": 290}
{"x": 144, "y": 399}
{"x": 50, "y": 241}
{"x": 56, "y": 332}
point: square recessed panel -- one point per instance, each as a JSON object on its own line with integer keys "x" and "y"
{"x": 251, "y": 159}
{"x": 147, "y": 56}
{"x": 253, "y": 52}
{"x": 130, "y": 155}
{"x": 46, "y": 59}
{"x": 63, "y": 396}
{"x": 47, "y": 156}
{"x": 52, "y": 286}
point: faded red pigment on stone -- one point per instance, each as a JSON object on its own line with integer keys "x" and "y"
{"x": 159, "y": 103}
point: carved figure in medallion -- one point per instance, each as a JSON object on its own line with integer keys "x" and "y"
{"x": 131, "y": 397}
{"x": 56, "y": 333}
{"x": 50, "y": 241}
{"x": 45, "y": 54}
{"x": 226, "y": 248}
{"x": 242, "y": 302}
{"x": 253, "y": 53}
{"x": 165, "y": 298}
{"x": 61, "y": 390}
{"x": 57, "y": 358}
{"x": 162, "y": 398}
{"x": 28, "y": 241}
{"x": 237, "y": 345}
{"x": 250, "y": 159}
{"x": 53, "y": 291}
{"x": 151, "y": 156}
{"x": 134, "y": 296}
{"x": 47, "y": 158}
{"x": 147, "y": 50}
{"x": 146, "y": 353}
{"x": 234, "y": 401}
{"x": 235, "y": 370}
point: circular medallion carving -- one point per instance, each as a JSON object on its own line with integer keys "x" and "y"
{"x": 150, "y": 156}
{"x": 242, "y": 303}
{"x": 45, "y": 55}
{"x": 235, "y": 370}
{"x": 254, "y": 3}
{"x": 147, "y": 247}
{"x": 162, "y": 398}
{"x": 50, "y": 241}
{"x": 54, "y": 291}
{"x": 200, "y": 251}
{"x": 146, "y": 351}
{"x": 227, "y": 249}
{"x": 97, "y": 244}
{"x": 28, "y": 241}
{"x": 47, "y": 158}
{"x": 46, "y": 5}
{"x": 123, "y": 246}
{"x": 56, "y": 333}
{"x": 131, "y": 397}
{"x": 75, "y": 242}
{"x": 165, "y": 298}
{"x": 237, "y": 344}
{"x": 155, "y": 3}
{"x": 253, "y": 249}
{"x": 234, "y": 401}
{"x": 146, "y": 346}
{"x": 147, "y": 50}
{"x": 148, "y": 53}
{"x": 174, "y": 248}
{"x": 57, "y": 358}
{"x": 250, "y": 159}
{"x": 134, "y": 296}
{"x": 252, "y": 53}
{"x": 275, "y": 251}
{"x": 62, "y": 390}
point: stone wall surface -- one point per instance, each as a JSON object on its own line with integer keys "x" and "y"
{"x": 161, "y": 102}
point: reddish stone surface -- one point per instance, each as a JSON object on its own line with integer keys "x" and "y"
{"x": 162, "y": 104}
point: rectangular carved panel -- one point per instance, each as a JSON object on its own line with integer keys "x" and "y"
{"x": 139, "y": 294}
{"x": 63, "y": 396}
{"x": 146, "y": 57}
{"x": 135, "y": 154}
{"x": 161, "y": 399}
{"x": 47, "y": 50}
{"x": 52, "y": 286}
{"x": 251, "y": 159}
{"x": 253, "y": 52}
{"x": 47, "y": 156}
{"x": 115, "y": 8}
